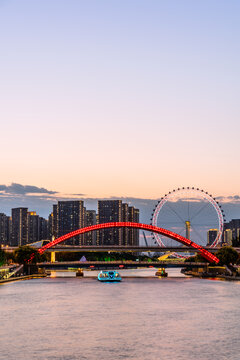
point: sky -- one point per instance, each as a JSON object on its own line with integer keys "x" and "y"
{"x": 125, "y": 98}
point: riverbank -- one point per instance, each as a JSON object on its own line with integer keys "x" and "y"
{"x": 211, "y": 276}
{"x": 227, "y": 277}
{"x": 24, "y": 277}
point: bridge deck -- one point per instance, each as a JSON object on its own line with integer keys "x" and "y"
{"x": 113, "y": 248}
{"x": 117, "y": 264}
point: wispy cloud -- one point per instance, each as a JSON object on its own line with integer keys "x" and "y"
{"x": 42, "y": 199}
{"x": 19, "y": 189}
{"x": 230, "y": 199}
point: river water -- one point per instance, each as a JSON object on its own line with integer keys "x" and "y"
{"x": 67, "y": 318}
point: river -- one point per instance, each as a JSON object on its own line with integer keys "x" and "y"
{"x": 67, "y": 318}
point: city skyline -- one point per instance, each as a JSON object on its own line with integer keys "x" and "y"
{"x": 120, "y": 184}
{"x": 125, "y": 99}
{"x": 42, "y": 199}
{"x": 26, "y": 227}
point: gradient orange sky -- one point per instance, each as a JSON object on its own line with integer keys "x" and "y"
{"x": 129, "y": 98}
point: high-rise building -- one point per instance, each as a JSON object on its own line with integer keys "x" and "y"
{"x": 228, "y": 236}
{"x": 125, "y": 218}
{"x": 4, "y": 229}
{"x": 211, "y": 236}
{"x": 90, "y": 219}
{"x": 70, "y": 217}
{"x": 133, "y": 235}
{"x": 50, "y": 227}
{"x": 32, "y": 227}
{"x": 43, "y": 228}
{"x": 19, "y": 226}
{"x": 55, "y": 221}
{"x": 109, "y": 211}
{"x": 9, "y": 232}
{"x": 234, "y": 225}
{"x": 116, "y": 211}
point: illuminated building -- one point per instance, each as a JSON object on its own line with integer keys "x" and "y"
{"x": 188, "y": 229}
{"x": 234, "y": 225}
{"x": 228, "y": 237}
{"x": 211, "y": 236}
{"x": 32, "y": 227}
{"x": 36, "y": 227}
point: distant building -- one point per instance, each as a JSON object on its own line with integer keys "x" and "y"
{"x": 110, "y": 211}
{"x": 27, "y": 227}
{"x": 70, "y": 216}
{"x": 133, "y": 235}
{"x": 234, "y": 225}
{"x": 228, "y": 237}
{"x": 211, "y": 236}
{"x": 32, "y": 227}
{"x": 55, "y": 221}
{"x": 116, "y": 211}
{"x": 19, "y": 226}
{"x": 43, "y": 228}
{"x": 90, "y": 219}
{"x": 50, "y": 227}
{"x": 125, "y": 218}
{"x": 5, "y": 230}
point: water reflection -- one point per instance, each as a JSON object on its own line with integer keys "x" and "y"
{"x": 67, "y": 318}
{"x": 150, "y": 272}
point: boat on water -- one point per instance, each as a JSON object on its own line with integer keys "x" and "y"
{"x": 80, "y": 272}
{"x": 161, "y": 273}
{"x": 109, "y": 276}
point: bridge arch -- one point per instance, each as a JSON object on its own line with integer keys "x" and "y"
{"x": 205, "y": 253}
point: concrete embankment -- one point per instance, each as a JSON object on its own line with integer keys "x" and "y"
{"x": 24, "y": 277}
{"x": 212, "y": 276}
{"x": 227, "y": 277}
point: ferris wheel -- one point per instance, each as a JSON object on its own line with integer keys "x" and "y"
{"x": 190, "y": 212}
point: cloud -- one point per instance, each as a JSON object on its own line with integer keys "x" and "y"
{"x": 231, "y": 199}
{"x": 19, "y": 189}
{"x": 42, "y": 199}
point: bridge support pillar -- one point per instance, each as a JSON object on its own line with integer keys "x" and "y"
{"x": 53, "y": 256}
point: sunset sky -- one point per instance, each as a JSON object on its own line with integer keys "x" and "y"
{"x": 125, "y": 98}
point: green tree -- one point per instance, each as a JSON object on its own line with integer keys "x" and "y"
{"x": 24, "y": 253}
{"x": 236, "y": 242}
{"x": 227, "y": 255}
{"x": 196, "y": 258}
{"x": 2, "y": 257}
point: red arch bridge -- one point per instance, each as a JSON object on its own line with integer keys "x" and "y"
{"x": 205, "y": 253}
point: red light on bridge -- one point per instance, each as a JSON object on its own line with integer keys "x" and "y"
{"x": 174, "y": 236}
{"x": 92, "y": 266}
{"x": 121, "y": 266}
